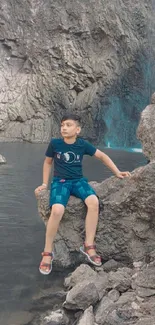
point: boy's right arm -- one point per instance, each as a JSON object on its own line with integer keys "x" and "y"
{"x": 46, "y": 173}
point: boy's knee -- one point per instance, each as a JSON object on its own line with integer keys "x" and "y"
{"x": 92, "y": 202}
{"x": 57, "y": 210}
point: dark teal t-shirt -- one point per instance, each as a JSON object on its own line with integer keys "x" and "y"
{"x": 68, "y": 157}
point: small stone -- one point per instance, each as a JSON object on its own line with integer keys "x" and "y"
{"x": 113, "y": 295}
{"x": 2, "y": 160}
{"x": 111, "y": 265}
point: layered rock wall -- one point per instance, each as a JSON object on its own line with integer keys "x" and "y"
{"x": 56, "y": 57}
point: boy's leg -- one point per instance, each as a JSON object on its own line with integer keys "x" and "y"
{"x": 59, "y": 195}
{"x": 91, "y": 221}
{"x": 51, "y": 230}
{"x": 84, "y": 191}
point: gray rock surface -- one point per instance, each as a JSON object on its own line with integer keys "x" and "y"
{"x": 59, "y": 56}
{"x": 87, "y": 317}
{"x": 121, "y": 279}
{"x": 82, "y": 295}
{"x": 83, "y": 273}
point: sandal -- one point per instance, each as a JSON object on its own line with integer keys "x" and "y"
{"x": 94, "y": 259}
{"x": 47, "y": 265}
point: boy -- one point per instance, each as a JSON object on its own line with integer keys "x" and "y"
{"x": 68, "y": 179}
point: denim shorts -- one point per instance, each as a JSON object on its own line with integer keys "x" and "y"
{"x": 61, "y": 189}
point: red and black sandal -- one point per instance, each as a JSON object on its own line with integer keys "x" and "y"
{"x": 93, "y": 259}
{"x": 44, "y": 265}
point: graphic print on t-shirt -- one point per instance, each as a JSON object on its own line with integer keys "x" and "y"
{"x": 68, "y": 157}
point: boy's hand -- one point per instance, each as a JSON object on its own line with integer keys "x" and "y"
{"x": 123, "y": 174}
{"x": 40, "y": 188}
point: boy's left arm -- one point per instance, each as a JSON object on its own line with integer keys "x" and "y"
{"x": 109, "y": 163}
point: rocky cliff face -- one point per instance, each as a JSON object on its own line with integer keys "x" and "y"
{"x": 56, "y": 56}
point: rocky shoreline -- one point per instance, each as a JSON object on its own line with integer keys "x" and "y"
{"x": 125, "y": 296}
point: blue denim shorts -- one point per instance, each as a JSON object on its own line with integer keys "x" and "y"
{"x": 61, "y": 189}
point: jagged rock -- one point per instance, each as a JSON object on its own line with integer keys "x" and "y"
{"x": 84, "y": 272}
{"x": 126, "y": 297}
{"x": 121, "y": 279}
{"x": 81, "y": 296}
{"x": 87, "y": 318}
{"x": 2, "y": 160}
{"x": 104, "y": 308}
{"x": 122, "y": 311}
{"x": 146, "y": 130}
{"x": 71, "y": 57}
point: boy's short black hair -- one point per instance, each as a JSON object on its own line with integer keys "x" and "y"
{"x": 71, "y": 116}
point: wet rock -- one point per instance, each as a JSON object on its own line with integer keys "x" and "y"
{"x": 2, "y": 160}
{"x": 55, "y": 318}
{"x": 42, "y": 301}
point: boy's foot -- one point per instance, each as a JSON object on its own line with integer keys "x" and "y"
{"x": 90, "y": 252}
{"x": 46, "y": 263}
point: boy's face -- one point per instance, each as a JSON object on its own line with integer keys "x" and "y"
{"x": 70, "y": 128}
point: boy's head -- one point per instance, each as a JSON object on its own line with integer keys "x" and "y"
{"x": 70, "y": 125}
